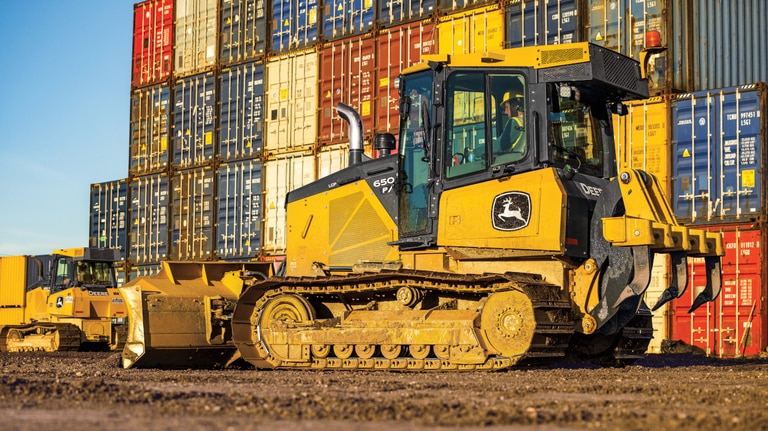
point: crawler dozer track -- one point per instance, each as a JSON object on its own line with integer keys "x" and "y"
{"x": 403, "y": 320}
{"x": 48, "y": 337}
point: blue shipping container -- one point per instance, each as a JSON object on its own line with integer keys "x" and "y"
{"x": 243, "y": 30}
{"x": 148, "y": 231}
{"x": 395, "y": 12}
{"x": 342, "y": 18}
{"x": 729, "y": 45}
{"x": 239, "y": 210}
{"x": 541, "y": 22}
{"x": 241, "y": 116}
{"x": 295, "y": 24}
{"x": 193, "y": 120}
{"x": 717, "y": 147}
{"x": 109, "y": 215}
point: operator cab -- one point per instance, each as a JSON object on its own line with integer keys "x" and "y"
{"x": 466, "y": 125}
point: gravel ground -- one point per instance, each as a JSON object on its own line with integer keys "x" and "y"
{"x": 86, "y": 390}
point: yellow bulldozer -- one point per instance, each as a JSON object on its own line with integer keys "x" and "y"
{"x": 498, "y": 234}
{"x": 63, "y": 301}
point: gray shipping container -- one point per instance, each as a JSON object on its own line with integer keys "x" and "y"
{"x": 109, "y": 215}
{"x": 149, "y": 219}
{"x": 192, "y": 214}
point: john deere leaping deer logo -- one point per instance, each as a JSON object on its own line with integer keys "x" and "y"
{"x": 511, "y": 211}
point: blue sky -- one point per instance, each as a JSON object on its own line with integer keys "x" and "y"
{"x": 64, "y": 116}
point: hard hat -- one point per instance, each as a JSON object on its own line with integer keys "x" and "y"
{"x": 511, "y": 96}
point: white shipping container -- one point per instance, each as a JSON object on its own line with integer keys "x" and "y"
{"x": 281, "y": 175}
{"x": 195, "y": 44}
{"x": 660, "y": 279}
{"x": 291, "y": 117}
{"x": 332, "y": 158}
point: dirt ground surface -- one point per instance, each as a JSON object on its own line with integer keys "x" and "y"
{"x": 88, "y": 390}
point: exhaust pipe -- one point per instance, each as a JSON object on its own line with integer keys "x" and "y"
{"x": 355, "y": 132}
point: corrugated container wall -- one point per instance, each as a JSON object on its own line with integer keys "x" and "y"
{"x": 109, "y": 216}
{"x": 343, "y": 18}
{"x": 148, "y": 232}
{"x": 718, "y": 155}
{"x": 13, "y": 278}
{"x": 193, "y": 120}
{"x": 150, "y": 126}
{"x": 728, "y": 43}
{"x": 348, "y": 75}
{"x": 398, "y": 48}
{"x": 282, "y": 175}
{"x": 332, "y": 158}
{"x": 643, "y": 139}
{"x": 291, "y": 91}
{"x": 450, "y": 6}
{"x": 152, "y": 42}
{"x": 622, "y": 25}
{"x": 660, "y": 279}
{"x": 192, "y": 214}
{"x": 137, "y": 271}
{"x": 735, "y": 323}
{"x": 196, "y": 34}
{"x": 295, "y": 24}
{"x": 238, "y": 227}
{"x": 476, "y": 30}
{"x": 241, "y": 111}
{"x": 243, "y": 34}
{"x": 396, "y": 12}
{"x": 541, "y": 22}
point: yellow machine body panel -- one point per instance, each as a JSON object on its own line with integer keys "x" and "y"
{"x": 339, "y": 227}
{"x": 532, "y": 216}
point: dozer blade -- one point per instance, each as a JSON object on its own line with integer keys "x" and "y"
{"x": 679, "y": 280}
{"x": 181, "y": 317}
{"x": 714, "y": 282}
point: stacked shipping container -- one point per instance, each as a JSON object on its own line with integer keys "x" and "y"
{"x": 228, "y": 115}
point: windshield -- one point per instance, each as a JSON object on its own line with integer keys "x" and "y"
{"x": 97, "y": 273}
{"x": 573, "y": 135}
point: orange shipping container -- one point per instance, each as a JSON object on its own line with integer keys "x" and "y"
{"x": 397, "y": 48}
{"x": 735, "y": 323}
{"x": 348, "y": 69}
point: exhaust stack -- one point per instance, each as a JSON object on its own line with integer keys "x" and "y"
{"x": 355, "y": 132}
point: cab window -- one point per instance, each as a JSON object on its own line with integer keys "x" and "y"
{"x": 485, "y": 122}
{"x": 573, "y": 133}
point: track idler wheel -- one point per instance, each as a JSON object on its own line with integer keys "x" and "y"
{"x": 278, "y": 312}
{"x": 508, "y": 322}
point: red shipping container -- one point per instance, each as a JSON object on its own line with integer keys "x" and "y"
{"x": 398, "y": 48}
{"x": 348, "y": 68}
{"x": 734, "y": 324}
{"x": 152, "y": 42}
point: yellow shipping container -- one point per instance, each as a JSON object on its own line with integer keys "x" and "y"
{"x": 474, "y": 30}
{"x": 13, "y": 284}
{"x": 644, "y": 140}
